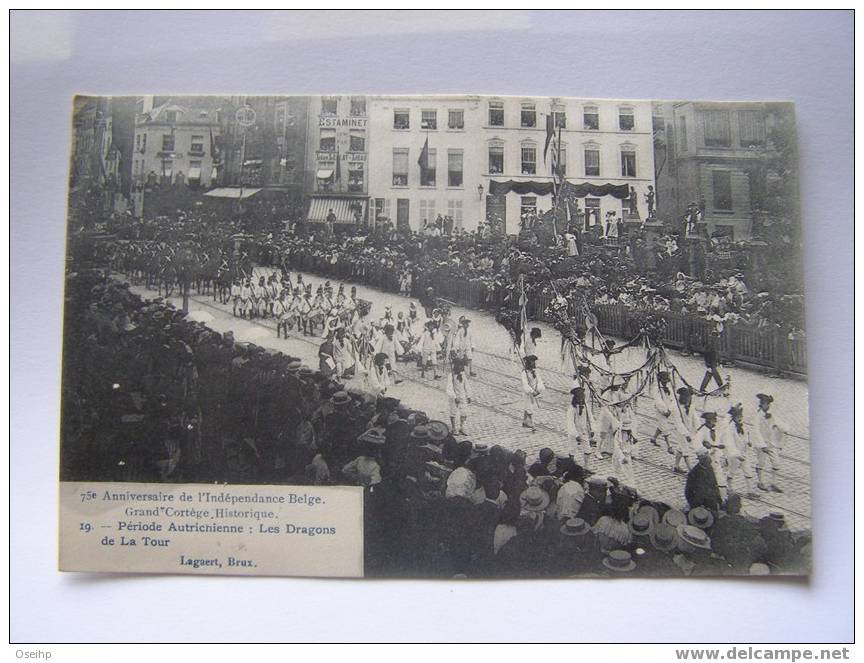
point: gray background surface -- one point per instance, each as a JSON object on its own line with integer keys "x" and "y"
{"x": 805, "y": 57}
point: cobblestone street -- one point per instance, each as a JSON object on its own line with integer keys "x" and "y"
{"x": 496, "y": 411}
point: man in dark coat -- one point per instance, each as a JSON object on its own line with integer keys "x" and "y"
{"x": 594, "y": 504}
{"x": 701, "y": 488}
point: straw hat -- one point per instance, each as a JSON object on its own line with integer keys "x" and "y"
{"x": 674, "y": 517}
{"x": 641, "y": 525}
{"x": 575, "y": 527}
{"x": 534, "y": 498}
{"x": 437, "y": 430}
{"x": 700, "y": 517}
{"x": 619, "y": 561}
{"x": 664, "y": 537}
{"x": 692, "y": 537}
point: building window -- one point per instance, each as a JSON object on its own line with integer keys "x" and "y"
{"x": 528, "y": 206}
{"x": 325, "y": 184}
{"x": 355, "y": 177}
{"x": 682, "y": 134}
{"x": 401, "y": 120}
{"x": 592, "y": 162}
{"x": 628, "y": 162}
{"x": 403, "y": 210}
{"x": 357, "y": 141}
{"x": 455, "y": 118}
{"x": 138, "y": 142}
{"x": 716, "y": 128}
{"x": 496, "y": 159}
{"x": 400, "y": 167}
{"x": 429, "y": 119}
{"x": 722, "y": 181}
{"x": 626, "y": 119}
{"x": 496, "y": 113}
{"x": 454, "y": 168}
{"x": 168, "y": 143}
{"x": 170, "y": 116}
{"x": 427, "y": 175}
{"x": 382, "y": 209}
{"x": 143, "y": 143}
{"x": 327, "y": 143}
{"x": 358, "y": 106}
{"x": 529, "y": 160}
{"x": 427, "y": 211}
{"x": 167, "y": 171}
{"x": 592, "y": 212}
{"x": 591, "y": 118}
{"x": 329, "y": 105}
{"x": 197, "y": 145}
{"x": 529, "y": 115}
{"x": 454, "y": 211}
{"x": 559, "y": 119}
{"x": 751, "y": 128}
{"x": 194, "y": 178}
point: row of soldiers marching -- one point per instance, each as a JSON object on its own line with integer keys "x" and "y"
{"x": 742, "y": 458}
{"x": 293, "y": 305}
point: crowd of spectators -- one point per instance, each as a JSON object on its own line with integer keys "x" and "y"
{"x": 635, "y": 272}
{"x": 152, "y": 396}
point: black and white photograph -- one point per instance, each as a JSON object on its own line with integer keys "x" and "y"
{"x": 548, "y": 336}
{"x": 432, "y": 325}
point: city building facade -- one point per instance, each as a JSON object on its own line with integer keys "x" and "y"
{"x": 262, "y": 142}
{"x": 95, "y": 167}
{"x": 606, "y": 150}
{"x": 425, "y": 161}
{"x": 476, "y": 158}
{"x": 337, "y": 176}
{"x": 717, "y": 157}
{"x": 174, "y": 146}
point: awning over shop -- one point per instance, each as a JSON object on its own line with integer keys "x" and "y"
{"x": 194, "y": 174}
{"x": 345, "y": 209}
{"x": 233, "y": 192}
{"x": 324, "y": 174}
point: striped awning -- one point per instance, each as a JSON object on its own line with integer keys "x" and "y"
{"x": 345, "y": 209}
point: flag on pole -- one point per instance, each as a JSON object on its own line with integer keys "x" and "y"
{"x": 213, "y": 154}
{"x": 423, "y": 161}
{"x": 550, "y": 134}
{"x": 523, "y": 316}
{"x": 338, "y": 175}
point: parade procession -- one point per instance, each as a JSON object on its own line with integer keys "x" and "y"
{"x": 575, "y": 371}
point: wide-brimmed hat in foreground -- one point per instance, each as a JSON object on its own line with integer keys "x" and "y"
{"x": 619, "y": 560}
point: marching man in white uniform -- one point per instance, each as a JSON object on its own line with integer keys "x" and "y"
{"x": 686, "y": 422}
{"x": 768, "y": 437}
{"x": 458, "y": 396}
{"x": 707, "y": 437}
{"x": 463, "y": 344}
{"x": 533, "y": 388}
{"x": 430, "y": 344}
{"x": 666, "y": 409}
{"x": 734, "y": 439}
{"x": 608, "y": 425}
{"x": 579, "y": 424}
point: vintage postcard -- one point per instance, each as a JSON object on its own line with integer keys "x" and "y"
{"x": 434, "y": 336}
